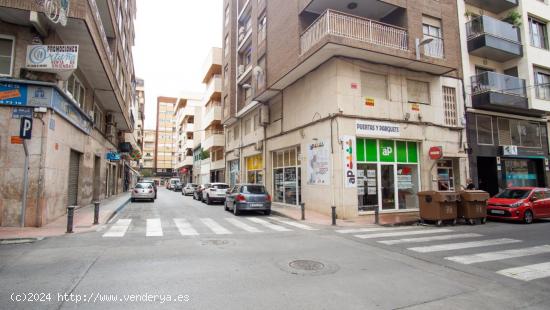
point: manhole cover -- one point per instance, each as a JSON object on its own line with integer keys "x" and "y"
{"x": 307, "y": 265}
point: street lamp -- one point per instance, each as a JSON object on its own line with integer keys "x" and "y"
{"x": 419, "y": 43}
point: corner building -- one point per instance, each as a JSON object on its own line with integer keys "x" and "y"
{"x": 328, "y": 102}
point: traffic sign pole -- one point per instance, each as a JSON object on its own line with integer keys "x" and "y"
{"x": 25, "y": 184}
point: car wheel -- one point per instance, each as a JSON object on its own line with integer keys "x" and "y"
{"x": 528, "y": 217}
{"x": 267, "y": 212}
{"x": 236, "y": 211}
{"x": 225, "y": 206}
{"x": 208, "y": 200}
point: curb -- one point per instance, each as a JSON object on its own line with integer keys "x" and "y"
{"x": 20, "y": 240}
{"x": 282, "y": 214}
{"x": 122, "y": 206}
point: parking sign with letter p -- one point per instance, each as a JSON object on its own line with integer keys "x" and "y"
{"x": 25, "y": 131}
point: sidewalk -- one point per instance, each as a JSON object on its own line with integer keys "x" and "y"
{"x": 83, "y": 221}
{"x": 314, "y": 217}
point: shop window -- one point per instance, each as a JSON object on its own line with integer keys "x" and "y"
{"x": 520, "y": 172}
{"x": 7, "y": 46}
{"x": 287, "y": 176}
{"x": 254, "y": 169}
{"x": 445, "y": 176}
{"x": 418, "y": 92}
{"x": 374, "y": 85}
{"x": 484, "y": 126}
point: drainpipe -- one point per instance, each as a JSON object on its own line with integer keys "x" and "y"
{"x": 41, "y": 163}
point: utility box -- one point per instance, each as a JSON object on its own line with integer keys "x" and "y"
{"x": 438, "y": 206}
{"x": 473, "y": 206}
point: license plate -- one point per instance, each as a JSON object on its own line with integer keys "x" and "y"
{"x": 256, "y": 205}
{"x": 497, "y": 212}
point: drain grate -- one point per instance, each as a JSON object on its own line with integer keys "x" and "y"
{"x": 306, "y": 265}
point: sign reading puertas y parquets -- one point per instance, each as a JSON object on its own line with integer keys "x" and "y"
{"x": 52, "y": 58}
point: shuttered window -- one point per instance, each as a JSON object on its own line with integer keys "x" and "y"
{"x": 449, "y": 100}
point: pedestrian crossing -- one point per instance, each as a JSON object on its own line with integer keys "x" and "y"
{"x": 188, "y": 227}
{"x": 441, "y": 242}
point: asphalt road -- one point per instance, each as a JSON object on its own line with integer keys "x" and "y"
{"x": 178, "y": 253}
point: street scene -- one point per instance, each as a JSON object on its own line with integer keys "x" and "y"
{"x": 274, "y": 154}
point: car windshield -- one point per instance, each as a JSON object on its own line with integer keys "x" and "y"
{"x": 220, "y": 186}
{"x": 253, "y": 189}
{"x": 143, "y": 185}
{"x": 513, "y": 194}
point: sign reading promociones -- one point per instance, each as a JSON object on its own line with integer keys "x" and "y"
{"x": 379, "y": 129}
{"x": 52, "y": 57}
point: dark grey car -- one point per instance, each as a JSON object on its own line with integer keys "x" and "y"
{"x": 248, "y": 197}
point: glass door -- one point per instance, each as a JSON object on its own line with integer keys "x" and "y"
{"x": 387, "y": 186}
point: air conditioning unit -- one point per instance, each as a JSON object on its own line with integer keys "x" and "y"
{"x": 264, "y": 115}
{"x": 240, "y": 69}
{"x": 110, "y": 131}
{"x": 259, "y": 146}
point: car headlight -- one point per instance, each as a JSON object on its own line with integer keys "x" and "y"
{"x": 516, "y": 205}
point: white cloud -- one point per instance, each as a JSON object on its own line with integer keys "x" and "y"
{"x": 173, "y": 38}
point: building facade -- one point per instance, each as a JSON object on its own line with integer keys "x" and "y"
{"x": 79, "y": 106}
{"x": 188, "y": 113}
{"x": 354, "y": 105}
{"x": 165, "y": 137}
{"x": 149, "y": 146}
{"x": 505, "y": 51}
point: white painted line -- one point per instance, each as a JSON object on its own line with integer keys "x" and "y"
{"x": 463, "y": 245}
{"x": 154, "y": 228}
{"x": 295, "y": 224}
{"x": 268, "y": 224}
{"x": 404, "y": 233}
{"x": 364, "y": 230}
{"x": 118, "y": 229}
{"x": 499, "y": 255}
{"x": 527, "y": 273}
{"x": 215, "y": 227}
{"x": 427, "y": 239}
{"x": 185, "y": 228}
{"x": 242, "y": 225}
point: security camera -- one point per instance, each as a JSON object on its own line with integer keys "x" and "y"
{"x": 246, "y": 86}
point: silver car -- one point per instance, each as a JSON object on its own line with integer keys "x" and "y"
{"x": 144, "y": 191}
{"x": 248, "y": 197}
{"x": 189, "y": 189}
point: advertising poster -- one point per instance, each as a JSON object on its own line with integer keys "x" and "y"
{"x": 350, "y": 166}
{"x": 318, "y": 163}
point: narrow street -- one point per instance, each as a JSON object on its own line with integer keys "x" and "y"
{"x": 211, "y": 259}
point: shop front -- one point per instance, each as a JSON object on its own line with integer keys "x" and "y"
{"x": 234, "y": 172}
{"x": 388, "y": 175}
{"x": 254, "y": 169}
{"x": 287, "y": 181}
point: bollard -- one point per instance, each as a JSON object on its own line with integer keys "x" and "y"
{"x": 376, "y": 216}
{"x": 303, "y": 207}
{"x": 333, "y": 216}
{"x": 70, "y": 216}
{"x": 96, "y": 212}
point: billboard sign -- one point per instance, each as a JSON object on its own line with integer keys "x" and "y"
{"x": 52, "y": 58}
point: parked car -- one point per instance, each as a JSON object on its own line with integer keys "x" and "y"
{"x": 172, "y": 183}
{"x": 197, "y": 194}
{"x": 176, "y": 187}
{"x": 143, "y": 191}
{"x": 188, "y": 189}
{"x": 248, "y": 197}
{"x": 152, "y": 183}
{"x": 520, "y": 204}
{"x": 216, "y": 192}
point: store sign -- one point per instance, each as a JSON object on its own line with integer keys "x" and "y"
{"x": 387, "y": 151}
{"x": 57, "y": 11}
{"x": 380, "y": 129}
{"x": 39, "y": 96}
{"x": 435, "y": 152}
{"x": 350, "y": 165}
{"x": 71, "y": 113}
{"x": 509, "y": 150}
{"x": 13, "y": 94}
{"x": 318, "y": 163}
{"x": 18, "y": 113}
{"x": 113, "y": 156}
{"x": 51, "y": 58}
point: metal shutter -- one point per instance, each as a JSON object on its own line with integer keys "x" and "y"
{"x": 74, "y": 167}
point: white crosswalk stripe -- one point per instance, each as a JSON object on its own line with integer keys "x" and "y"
{"x": 463, "y": 245}
{"x": 295, "y": 224}
{"x": 118, "y": 229}
{"x": 154, "y": 228}
{"x": 528, "y": 273}
{"x": 403, "y": 233}
{"x": 374, "y": 229}
{"x": 499, "y": 255}
{"x": 431, "y": 238}
{"x": 268, "y": 224}
{"x": 215, "y": 227}
{"x": 185, "y": 227}
{"x": 243, "y": 225}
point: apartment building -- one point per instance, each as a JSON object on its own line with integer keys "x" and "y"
{"x": 165, "y": 137}
{"x": 140, "y": 124}
{"x": 352, "y": 104}
{"x": 135, "y": 138}
{"x": 506, "y": 60}
{"x": 149, "y": 145}
{"x": 188, "y": 113}
{"x": 79, "y": 105}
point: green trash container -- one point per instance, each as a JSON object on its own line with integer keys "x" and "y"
{"x": 438, "y": 206}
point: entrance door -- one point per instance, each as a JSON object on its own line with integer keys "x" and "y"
{"x": 487, "y": 174}
{"x": 74, "y": 167}
{"x": 387, "y": 186}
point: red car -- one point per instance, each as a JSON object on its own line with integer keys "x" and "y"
{"x": 520, "y": 204}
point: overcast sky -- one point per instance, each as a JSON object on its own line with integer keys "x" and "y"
{"x": 173, "y": 38}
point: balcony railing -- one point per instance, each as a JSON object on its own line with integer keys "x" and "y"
{"x": 99, "y": 23}
{"x": 210, "y": 133}
{"x": 499, "y": 83}
{"x": 353, "y": 27}
{"x": 488, "y": 25}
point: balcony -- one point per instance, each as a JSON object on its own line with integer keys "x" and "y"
{"x": 213, "y": 138}
{"x": 188, "y": 161}
{"x": 189, "y": 144}
{"x": 494, "y": 39}
{"x": 494, "y": 6}
{"x": 217, "y": 165}
{"x": 189, "y": 128}
{"x": 212, "y": 115}
{"x": 501, "y": 93}
{"x": 214, "y": 88}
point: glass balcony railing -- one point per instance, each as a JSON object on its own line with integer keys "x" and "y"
{"x": 500, "y": 83}
{"x": 487, "y": 25}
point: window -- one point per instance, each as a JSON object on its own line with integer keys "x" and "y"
{"x": 484, "y": 129}
{"x": 418, "y": 92}
{"x": 519, "y": 132}
{"x": 374, "y": 85}
{"x": 7, "y": 45}
{"x": 262, "y": 28}
{"x": 431, "y": 29}
{"x": 76, "y": 90}
{"x": 261, "y": 77}
{"x": 227, "y": 15}
{"x": 538, "y": 33}
{"x": 449, "y": 100}
{"x": 255, "y": 122}
{"x": 98, "y": 118}
{"x": 542, "y": 83}
{"x": 226, "y": 45}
